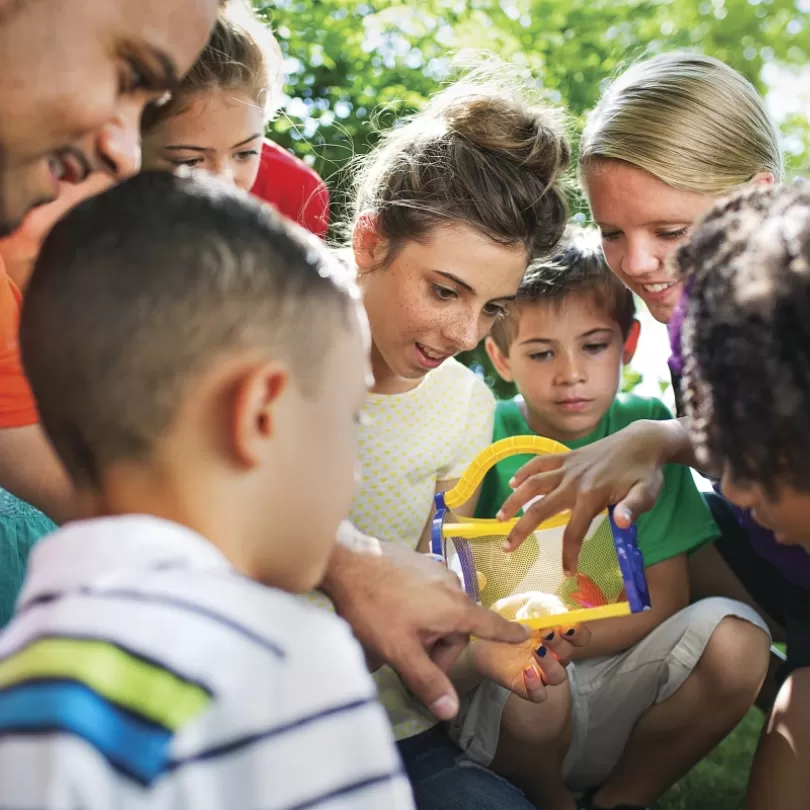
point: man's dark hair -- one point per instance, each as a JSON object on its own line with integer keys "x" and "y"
{"x": 137, "y": 291}
{"x": 747, "y": 335}
{"x": 577, "y": 267}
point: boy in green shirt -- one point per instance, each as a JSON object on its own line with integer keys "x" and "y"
{"x": 654, "y": 692}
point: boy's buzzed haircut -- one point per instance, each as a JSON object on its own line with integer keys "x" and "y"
{"x": 577, "y": 267}
{"x": 138, "y": 290}
{"x": 747, "y": 335}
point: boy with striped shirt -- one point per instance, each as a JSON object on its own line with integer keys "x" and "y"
{"x": 198, "y": 372}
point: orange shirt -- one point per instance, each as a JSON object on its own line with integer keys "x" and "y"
{"x": 17, "y": 406}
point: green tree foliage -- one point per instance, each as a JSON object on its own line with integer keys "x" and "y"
{"x": 355, "y": 67}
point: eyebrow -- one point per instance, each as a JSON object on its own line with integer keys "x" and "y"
{"x": 680, "y": 220}
{"x": 468, "y": 288}
{"x": 180, "y": 146}
{"x": 168, "y": 70}
{"x": 158, "y": 67}
{"x": 589, "y": 334}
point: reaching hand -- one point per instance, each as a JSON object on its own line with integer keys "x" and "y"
{"x": 411, "y": 612}
{"x": 526, "y": 669}
{"x": 622, "y": 469}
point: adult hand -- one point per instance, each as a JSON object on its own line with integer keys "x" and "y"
{"x": 623, "y": 469}
{"x": 410, "y": 611}
{"x": 526, "y": 669}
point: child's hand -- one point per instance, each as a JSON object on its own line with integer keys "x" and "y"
{"x": 527, "y": 668}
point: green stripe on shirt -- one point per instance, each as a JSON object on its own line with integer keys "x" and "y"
{"x": 140, "y": 686}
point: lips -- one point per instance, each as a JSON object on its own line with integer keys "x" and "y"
{"x": 69, "y": 166}
{"x": 659, "y": 290}
{"x": 573, "y": 404}
{"x": 430, "y": 358}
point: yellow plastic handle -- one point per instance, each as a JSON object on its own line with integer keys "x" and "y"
{"x": 487, "y": 459}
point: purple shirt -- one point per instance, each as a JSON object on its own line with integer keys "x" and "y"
{"x": 792, "y": 562}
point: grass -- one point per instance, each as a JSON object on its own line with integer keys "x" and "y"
{"x": 718, "y": 782}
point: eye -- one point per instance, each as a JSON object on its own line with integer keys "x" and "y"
{"x": 673, "y": 235}
{"x": 191, "y": 163}
{"x": 494, "y": 310}
{"x": 134, "y": 78}
{"x": 443, "y": 293}
{"x": 541, "y": 357}
{"x": 595, "y": 348}
{"x": 247, "y": 154}
{"x": 610, "y": 236}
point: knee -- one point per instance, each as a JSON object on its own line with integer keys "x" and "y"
{"x": 539, "y": 723}
{"x": 790, "y": 717}
{"x": 735, "y": 660}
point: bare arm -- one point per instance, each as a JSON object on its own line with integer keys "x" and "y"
{"x": 668, "y": 582}
{"x": 30, "y": 470}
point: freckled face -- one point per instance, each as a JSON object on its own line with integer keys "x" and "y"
{"x": 436, "y": 298}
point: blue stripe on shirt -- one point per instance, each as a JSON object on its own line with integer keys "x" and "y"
{"x": 352, "y": 787}
{"x": 132, "y": 746}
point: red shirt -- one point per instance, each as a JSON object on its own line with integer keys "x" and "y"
{"x": 292, "y": 188}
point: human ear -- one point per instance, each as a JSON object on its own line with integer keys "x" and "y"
{"x": 253, "y": 415}
{"x": 631, "y": 342}
{"x": 368, "y": 244}
{"x": 763, "y": 179}
{"x": 499, "y": 360}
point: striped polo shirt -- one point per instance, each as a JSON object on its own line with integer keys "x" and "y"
{"x": 142, "y": 671}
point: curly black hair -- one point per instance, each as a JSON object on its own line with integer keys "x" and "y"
{"x": 747, "y": 335}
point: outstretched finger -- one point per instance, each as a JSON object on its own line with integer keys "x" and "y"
{"x": 534, "y": 687}
{"x": 582, "y": 516}
{"x": 485, "y": 624}
{"x": 553, "y": 671}
{"x": 577, "y": 635}
{"x": 535, "y": 515}
{"x": 641, "y": 498}
{"x": 539, "y": 464}
{"x": 426, "y": 679}
{"x": 540, "y": 484}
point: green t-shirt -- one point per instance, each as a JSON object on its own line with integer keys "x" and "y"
{"x": 679, "y": 522}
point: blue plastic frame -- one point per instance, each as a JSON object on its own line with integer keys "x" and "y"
{"x": 631, "y": 563}
{"x": 631, "y": 560}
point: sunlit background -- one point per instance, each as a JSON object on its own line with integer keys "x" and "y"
{"x": 353, "y": 67}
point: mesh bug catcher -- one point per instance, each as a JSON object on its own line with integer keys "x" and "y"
{"x": 529, "y": 585}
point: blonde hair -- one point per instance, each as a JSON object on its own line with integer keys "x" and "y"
{"x": 690, "y": 120}
{"x": 242, "y": 56}
{"x": 485, "y": 152}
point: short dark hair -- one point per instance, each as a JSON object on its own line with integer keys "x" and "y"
{"x": 138, "y": 290}
{"x": 747, "y": 335}
{"x": 577, "y": 267}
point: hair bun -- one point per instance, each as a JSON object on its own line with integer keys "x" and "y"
{"x": 486, "y": 151}
{"x": 488, "y": 118}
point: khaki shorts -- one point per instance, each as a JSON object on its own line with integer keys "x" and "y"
{"x": 608, "y": 694}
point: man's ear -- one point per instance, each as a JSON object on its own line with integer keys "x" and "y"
{"x": 368, "y": 245}
{"x": 631, "y": 342}
{"x": 499, "y": 360}
{"x": 253, "y": 415}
